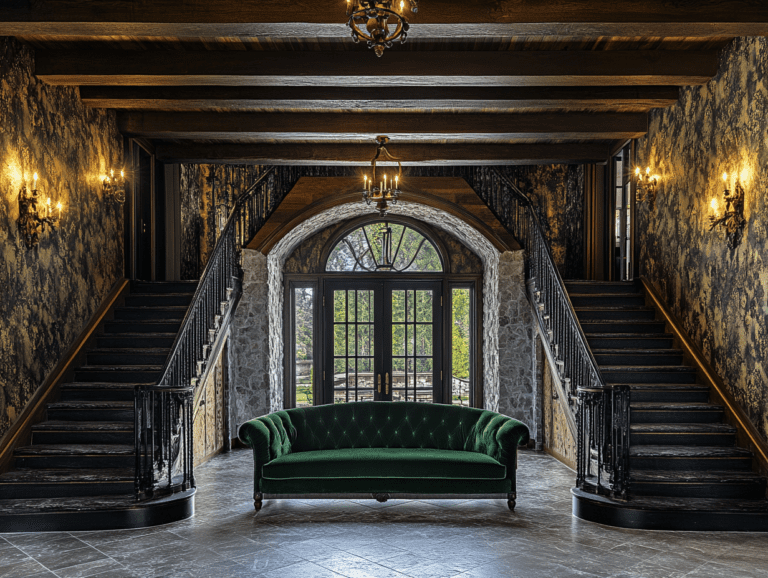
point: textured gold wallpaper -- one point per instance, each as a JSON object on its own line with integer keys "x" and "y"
{"x": 208, "y": 425}
{"x": 557, "y": 438}
{"x": 721, "y": 295}
{"x": 48, "y": 293}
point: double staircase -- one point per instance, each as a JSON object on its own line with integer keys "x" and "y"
{"x": 686, "y": 470}
{"x": 82, "y": 456}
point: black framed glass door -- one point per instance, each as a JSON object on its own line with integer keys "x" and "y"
{"x": 383, "y": 341}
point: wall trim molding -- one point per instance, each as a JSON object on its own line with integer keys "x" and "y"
{"x": 20, "y": 431}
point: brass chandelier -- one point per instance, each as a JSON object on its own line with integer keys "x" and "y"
{"x": 370, "y": 21}
{"x": 385, "y": 190}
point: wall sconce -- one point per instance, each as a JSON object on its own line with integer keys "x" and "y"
{"x": 35, "y": 215}
{"x": 733, "y": 220}
{"x": 114, "y": 186}
{"x": 647, "y": 186}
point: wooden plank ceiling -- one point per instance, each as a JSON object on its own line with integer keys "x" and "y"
{"x": 484, "y": 82}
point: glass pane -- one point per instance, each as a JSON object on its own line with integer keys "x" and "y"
{"x": 398, "y": 339}
{"x": 424, "y": 304}
{"x": 364, "y": 305}
{"x": 460, "y": 346}
{"x": 351, "y": 340}
{"x": 410, "y": 339}
{"x": 410, "y": 305}
{"x": 351, "y": 305}
{"x": 339, "y": 305}
{"x": 304, "y": 345}
{"x": 339, "y": 339}
{"x": 424, "y": 339}
{"x": 427, "y": 259}
{"x": 398, "y": 305}
{"x": 364, "y": 340}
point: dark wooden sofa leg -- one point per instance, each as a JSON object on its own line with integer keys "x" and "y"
{"x": 257, "y": 501}
{"x": 511, "y": 500}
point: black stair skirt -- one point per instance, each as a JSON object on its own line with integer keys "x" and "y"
{"x": 93, "y": 513}
{"x": 679, "y": 514}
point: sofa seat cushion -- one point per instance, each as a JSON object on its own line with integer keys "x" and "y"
{"x": 379, "y": 463}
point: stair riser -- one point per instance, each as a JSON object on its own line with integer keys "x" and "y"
{"x": 623, "y": 327}
{"x": 651, "y": 416}
{"x": 76, "y": 437}
{"x": 637, "y": 359}
{"x": 691, "y": 464}
{"x": 160, "y": 288}
{"x": 77, "y": 462}
{"x": 601, "y": 288}
{"x": 753, "y": 491}
{"x": 683, "y": 439}
{"x": 68, "y": 490}
{"x": 126, "y": 394}
{"x": 90, "y": 414}
{"x": 630, "y": 343}
{"x": 129, "y": 342}
{"x": 157, "y": 300}
{"x": 118, "y": 376}
{"x": 671, "y": 396}
{"x": 615, "y": 376}
{"x": 113, "y": 328}
{"x": 626, "y": 315}
{"x": 607, "y": 300}
{"x": 98, "y": 358}
{"x": 149, "y": 314}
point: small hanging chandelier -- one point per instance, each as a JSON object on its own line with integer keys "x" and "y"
{"x": 383, "y": 193}
{"x": 369, "y": 21}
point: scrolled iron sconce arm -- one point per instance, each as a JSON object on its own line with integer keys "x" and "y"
{"x": 31, "y": 220}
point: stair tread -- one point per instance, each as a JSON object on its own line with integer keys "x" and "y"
{"x": 633, "y": 295}
{"x": 164, "y": 334}
{"x": 628, "y": 335}
{"x": 104, "y": 384}
{"x": 153, "y": 307}
{"x": 666, "y": 386}
{"x": 578, "y": 308}
{"x": 638, "y": 368}
{"x": 120, "y": 367}
{"x": 628, "y": 351}
{"x": 670, "y": 504}
{"x": 683, "y": 476}
{"x": 646, "y": 451}
{"x": 678, "y": 405}
{"x": 85, "y": 404}
{"x": 137, "y": 350}
{"x": 624, "y": 321}
{"x": 682, "y": 427}
{"x": 59, "y": 476}
{"x": 66, "y": 425}
{"x": 74, "y": 504}
{"x": 76, "y": 449}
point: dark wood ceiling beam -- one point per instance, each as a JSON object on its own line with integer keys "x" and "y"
{"x": 375, "y": 98}
{"x": 431, "y": 68}
{"x": 362, "y": 127}
{"x": 436, "y": 18}
{"x": 346, "y": 154}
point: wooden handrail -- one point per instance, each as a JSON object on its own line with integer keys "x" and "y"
{"x": 709, "y": 373}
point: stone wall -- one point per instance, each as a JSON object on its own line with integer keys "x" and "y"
{"x": 721, "y": 295}
{"x": 48, "y": 293}
{"x": 517, "y": 361}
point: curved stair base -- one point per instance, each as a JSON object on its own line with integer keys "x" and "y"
{"x": 93, "y": 513}
{"x": 682, "y": 514}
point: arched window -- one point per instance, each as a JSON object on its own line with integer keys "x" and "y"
{"x": 384, "y": 246}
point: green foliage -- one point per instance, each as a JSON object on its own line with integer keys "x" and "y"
{"x": 460, "y": 332}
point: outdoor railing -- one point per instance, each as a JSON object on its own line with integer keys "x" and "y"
{"x": 163, "y": 411}
{"x": 601, "y": 411}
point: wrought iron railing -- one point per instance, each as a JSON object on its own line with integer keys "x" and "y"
{"x": 602, "y": 444}
{"x": 163, "y": 411}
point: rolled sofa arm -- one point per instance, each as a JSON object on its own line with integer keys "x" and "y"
{"x": 270, "y": 436}
{"x": 499, "y": 436}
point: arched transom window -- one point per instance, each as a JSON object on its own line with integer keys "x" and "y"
{"x": 384, "y": 246}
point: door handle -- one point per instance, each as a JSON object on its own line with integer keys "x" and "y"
{"x": 379, "y": 383}
{"x": 386, "y": 383}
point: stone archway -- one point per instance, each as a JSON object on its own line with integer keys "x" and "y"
{"x": 256, "y": 354}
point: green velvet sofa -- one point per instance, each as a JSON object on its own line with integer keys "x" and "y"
{"x": 384, "y": 448}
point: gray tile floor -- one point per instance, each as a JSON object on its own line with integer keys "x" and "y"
{"x": 397, "y": 539}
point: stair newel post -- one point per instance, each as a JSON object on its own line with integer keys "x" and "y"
{"x": 190, "y": 438}
{"x": 580, "y": 446}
